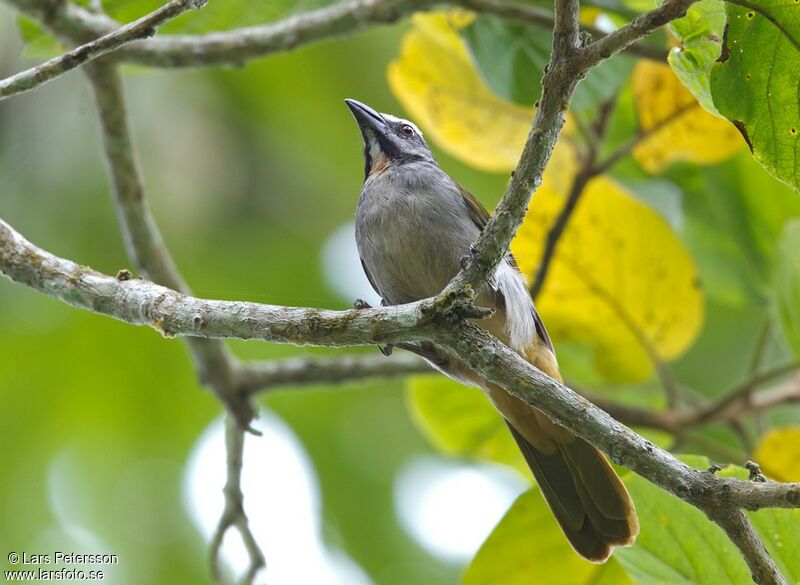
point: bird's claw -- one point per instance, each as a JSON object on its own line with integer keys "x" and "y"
{"x": 361, "y": 304}
{"x": 467, "y": 257}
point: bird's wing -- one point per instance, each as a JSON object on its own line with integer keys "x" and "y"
{"x": 477, "y": 212}
{"x": 480, "y": 215}
{"x": 369, "y": 277}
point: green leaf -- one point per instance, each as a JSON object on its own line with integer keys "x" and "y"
{"x": 700, "y": 33}
{"x": 787, "y": 284}
{"x": 677, "y": 543}
{"x": 527, "y": 546}
{"x": 754, "y": 83}
{"x": 37, "y": 42}
{"x": 508, "y": 57}
{"x": 216, "y": 15}
{"x": 511, "y": 59}
{"x": 732, "y": 228}
{"x": 460, "y": 421}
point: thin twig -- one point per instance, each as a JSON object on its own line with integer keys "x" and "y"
{"x": 237, "y": 46}
{"x": 730, "y": 407}
{"x": 215, "y": 364}
{"x": 642, "y": 135}
{"x": 588, "y": 170}
{"x": 595, "y": 134}
{"x": 741, "y": 532}
{"x": 579, "y": 183}
{"x": 139, "y": 29}
{"x": 531, "y": 14}
{"x": 740, "y": 397}
{"x": 309, "y": 371}
{"x": 638, "y": 28}
{"x": 233, "y": 514}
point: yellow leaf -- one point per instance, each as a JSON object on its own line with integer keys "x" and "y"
{"x": 778, "y": 453}
{"x": 460, "y": 421}
{"x": 620, "y": 278}
{"x": 438, "y": 85}
{"x": 684, "y": 131}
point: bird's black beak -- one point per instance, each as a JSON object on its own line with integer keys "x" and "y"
{"x": 370, "y": 122}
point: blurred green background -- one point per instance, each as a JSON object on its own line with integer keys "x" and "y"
{"x": 110, "y": 445}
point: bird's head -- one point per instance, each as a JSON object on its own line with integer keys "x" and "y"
{"x": 388, "y": 141}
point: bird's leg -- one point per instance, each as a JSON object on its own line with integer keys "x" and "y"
{"x": 362, "y": 304}
{"x": 426, "y": 351}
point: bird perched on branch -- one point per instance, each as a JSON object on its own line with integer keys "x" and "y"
{"x": 414, "y": 225}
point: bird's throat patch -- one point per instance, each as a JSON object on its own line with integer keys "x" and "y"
{"x": 378, "y": 164}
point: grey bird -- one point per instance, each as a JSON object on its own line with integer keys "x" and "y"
{"x": 414, "y": 224}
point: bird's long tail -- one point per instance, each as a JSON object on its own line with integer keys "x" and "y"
{"x": 584, "y": 492}
{"x": 586, "y": 496}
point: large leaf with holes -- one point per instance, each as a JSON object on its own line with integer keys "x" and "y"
{"x": 700, "y": 35}
{"x": 754, "y": 83}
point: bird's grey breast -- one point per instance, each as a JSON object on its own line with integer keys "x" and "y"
{"x": 412, "y": 227}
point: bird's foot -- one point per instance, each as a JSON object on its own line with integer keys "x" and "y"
{"x": 467, "y": 257}
{"x": 361, "y": 304}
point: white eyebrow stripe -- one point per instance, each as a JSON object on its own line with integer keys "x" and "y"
{"x": 391, "y": 118}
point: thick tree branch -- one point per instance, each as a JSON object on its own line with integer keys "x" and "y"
{"x": 75, "y": 24}
{"x": 139, "y": 29}
{"x": 139, "y": 301}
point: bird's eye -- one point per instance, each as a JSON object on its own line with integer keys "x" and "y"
{"x": 407, "y": 130}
